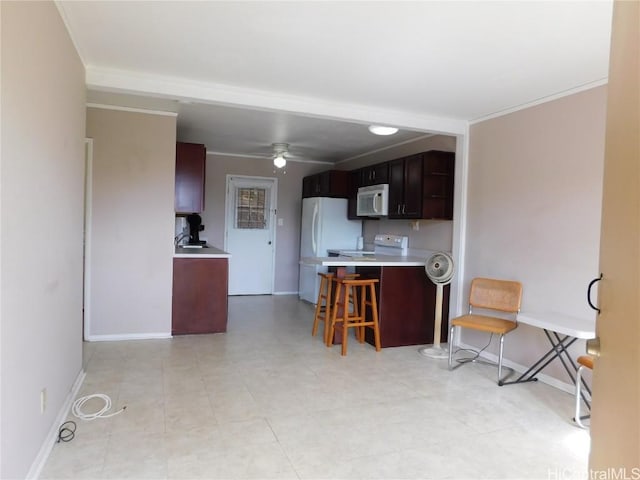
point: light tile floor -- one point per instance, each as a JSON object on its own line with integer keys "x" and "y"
{"x": 267, "y": 400}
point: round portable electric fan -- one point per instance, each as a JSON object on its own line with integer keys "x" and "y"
{"x": 439, "y": 269}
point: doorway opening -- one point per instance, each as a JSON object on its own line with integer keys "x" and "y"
{"x": 86, "y": 241}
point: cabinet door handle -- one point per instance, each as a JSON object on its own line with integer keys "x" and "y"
{"x": 403, "y": 208}
{"x": 591, "y": 284}
{"x": 398, "y": 209}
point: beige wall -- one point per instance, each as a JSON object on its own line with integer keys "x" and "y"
{"x": 431, "y": 234}
{"x": 41, "y": 185}
{"x": 533, "y": 211}
{"x": 289, "y": 208}
{"x": 132, "y": 224}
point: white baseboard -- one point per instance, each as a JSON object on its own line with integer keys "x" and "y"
{"x": 549, "y": 380}
{"x": 127, "y": 336}
{"x": 285, "y": 293}
{"x": 52, "y": 436}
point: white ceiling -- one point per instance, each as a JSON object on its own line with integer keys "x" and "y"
{"x": 245, "y": 74}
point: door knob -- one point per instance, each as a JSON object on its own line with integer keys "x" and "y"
{"x": 593, "y": 346}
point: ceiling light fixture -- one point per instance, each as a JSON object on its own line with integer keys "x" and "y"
{"x": 279, "y": 151}
{"x": 382, "y": 130}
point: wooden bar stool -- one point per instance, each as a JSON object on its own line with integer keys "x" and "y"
{"x": 355, "y": 291}
{"x": 323, "y": 305}
{"x": 585, "y": 361}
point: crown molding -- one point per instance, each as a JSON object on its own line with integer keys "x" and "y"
{"x": 541, "y": 100}
{"x": 395, "y": 145}
{"x": 131, "y": 109}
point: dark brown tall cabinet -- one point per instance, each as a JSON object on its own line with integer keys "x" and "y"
{"x": 405, "y": 187}
{"x": 190, "y": 177}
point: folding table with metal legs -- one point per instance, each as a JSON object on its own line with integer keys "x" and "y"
{"x": 562, "y": 331}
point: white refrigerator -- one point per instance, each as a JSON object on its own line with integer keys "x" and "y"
{"x": 324, "y": 226}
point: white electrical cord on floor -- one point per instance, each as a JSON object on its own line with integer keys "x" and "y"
{"x": 76, "y": 408}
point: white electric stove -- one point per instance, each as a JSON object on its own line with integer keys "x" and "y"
{"x": 387, "y": 244}
{"x": 384, "y": 244}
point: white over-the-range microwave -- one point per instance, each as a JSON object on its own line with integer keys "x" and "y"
{"x": 373, "y": 201}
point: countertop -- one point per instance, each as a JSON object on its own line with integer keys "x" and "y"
{"x": 366, "y": 261}
{"x": 210, "y": 252}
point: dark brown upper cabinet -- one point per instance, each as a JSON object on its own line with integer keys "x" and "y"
{"x": 364, "y": 177}
{"x": 332, "y": 183}
{"x": 374, "y": 174}
{"x": 353, "y": 185}
{"x": 405, "y": 187}
{"x": 190, "y": 177}
{"x": 438, "y": 169}
{"x": 421, "y": 186}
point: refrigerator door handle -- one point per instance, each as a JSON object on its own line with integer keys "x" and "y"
{"x": 314, "y": 219}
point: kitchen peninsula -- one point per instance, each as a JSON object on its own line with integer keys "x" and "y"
{"x": 406, "y": 297}
{"x": 200, "y": 289}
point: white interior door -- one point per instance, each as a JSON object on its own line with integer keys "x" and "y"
{"x": 250, "y": 234}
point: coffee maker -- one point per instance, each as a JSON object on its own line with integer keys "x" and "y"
{"x": 195, "y": 227}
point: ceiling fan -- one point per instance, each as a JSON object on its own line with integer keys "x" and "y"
{"x": 279, "y": 152}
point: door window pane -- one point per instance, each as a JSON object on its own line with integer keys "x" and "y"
{"x": 252, "y": 210}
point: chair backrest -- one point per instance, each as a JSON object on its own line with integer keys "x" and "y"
{"x": 492, "y": 294}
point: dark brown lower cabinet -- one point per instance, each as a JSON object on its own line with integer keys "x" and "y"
{"x": 406, "y": 306}
{"x": 200, "y": 289}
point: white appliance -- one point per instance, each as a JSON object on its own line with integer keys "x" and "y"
{"x": 389, "y": 244}
{"x": 373, "y": 201}
{"x": 383, "y": 244}
{"x": 324, "y": 225}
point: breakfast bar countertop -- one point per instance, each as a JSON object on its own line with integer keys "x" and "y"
{"x": 405, "y": 296}
{"x": 208, "y": 252}
{"x": 366, "y": 261}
